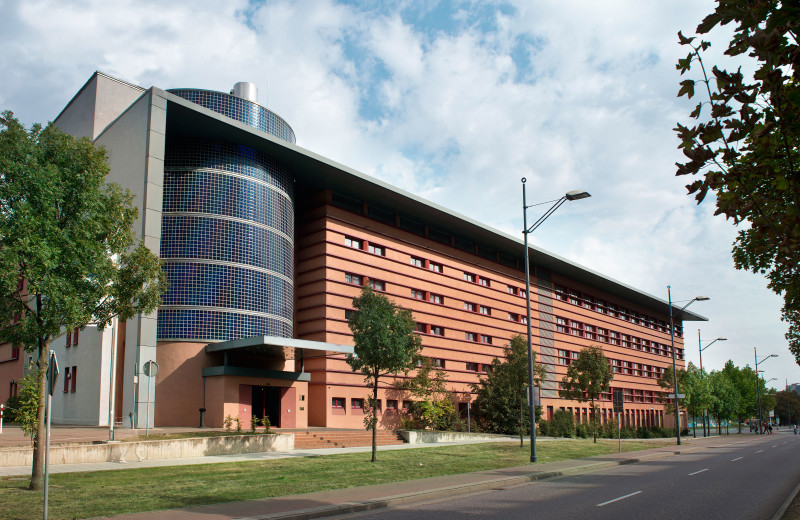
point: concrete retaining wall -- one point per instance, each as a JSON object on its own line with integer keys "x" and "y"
{"x": 419, "y": 437}
{"x": 159, "y": 449}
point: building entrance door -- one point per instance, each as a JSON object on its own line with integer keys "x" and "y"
{"x": 266, "y": 402}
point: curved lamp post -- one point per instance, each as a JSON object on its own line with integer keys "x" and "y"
{"x": 702, "y": 348}
{"x": 674, "y": 363}
{"x": 758, "y": 387}
{"x": 571, "y": 195}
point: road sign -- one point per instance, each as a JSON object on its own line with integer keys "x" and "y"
{"x": 537, "y": 396}
{"x": 619, "y": 406}
{"x": 672, "y": 396}
{"x": 52, "y": 373}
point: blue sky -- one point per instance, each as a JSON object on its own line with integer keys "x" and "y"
{"x": 454, "y": 101}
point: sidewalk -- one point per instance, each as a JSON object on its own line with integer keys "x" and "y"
{"x": 350, "y": 500}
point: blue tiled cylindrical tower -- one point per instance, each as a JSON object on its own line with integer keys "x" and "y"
{"x": 227, "y": 231}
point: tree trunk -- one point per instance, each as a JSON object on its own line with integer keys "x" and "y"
{"x": 374, "y": 421}
{"x": 37, "y": 470}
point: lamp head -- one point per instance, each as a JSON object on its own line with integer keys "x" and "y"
{"x": 701, "y": 298}
{"x": 722, "y": 339}
{"x": 577, "y": 195}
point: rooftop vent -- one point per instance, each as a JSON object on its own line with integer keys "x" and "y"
{"x": 245, "y": 90}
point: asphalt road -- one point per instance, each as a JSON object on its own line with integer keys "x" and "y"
{"x": 739, "y": 477}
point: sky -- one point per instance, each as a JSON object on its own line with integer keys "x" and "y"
{"x": 454, "y": 101}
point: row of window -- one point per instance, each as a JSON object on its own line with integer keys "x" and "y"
{"x": 591, "y": 303}
{"x": 363, "y": 245}
{"x": 72, "y": 338}
{"x": 359, "y": 404}
{"x": 603, "y": 335}
{"x": 567, "y": 357}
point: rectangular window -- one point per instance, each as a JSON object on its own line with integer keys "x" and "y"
{"x": 377, "y": 285}
{"x": 436, "y": 268}
{"x": 406, "y": 405}
{"x": 69, "y": 339}
{"x": 602, "y": 335}
{"x": 436, "y": 298}
{"x": 589, "y": 332}
{"x": 417, "y": 294}
{"x": 357, "y": 403}
{"x": 523, "y": 293}
{"x": 588, "y": 303}
{"x": 75, "y": 337}
{"x": 471, "y": 307}
{"x": 355, "y": 243}
{"x": 351, "y": 278}
{"x": 576, "y": 328}
{"x": 417, "y": 262}
{"x": 486, "y": 339}
{"x": 485, "y": 310}
{"x": 437, "y": 331}
{"x": 66, "y": 379}
{"x": 485, "y": 368}
{"x": 513, "y": 316}
{"x": 561, "y": 325}
{"x": 614, "y": 338}
{"x": 470, "y": 277}
{"x": 337, "y": 402}
{"x": 601, "y": 307}
{"x": 74, "y": 379}
{"x": 472, "y": 367}
{"x": 391, "y": 404}
{"x": 484, "y": 281}
{"x": 613, "y": 310}
{"x": 421, "y": 328}
{"x": 377, "y": 250}
{"x": 574, "y": 297}
{"x": 437, "y": 362}
{"x": 510, "y": 289}
{"x": 470, "y": 336}
{"x": 561, "y": 293}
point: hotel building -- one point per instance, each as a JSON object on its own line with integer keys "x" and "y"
{"x": 266, "y": 244}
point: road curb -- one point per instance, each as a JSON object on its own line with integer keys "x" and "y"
{"x": 459, "y": 489}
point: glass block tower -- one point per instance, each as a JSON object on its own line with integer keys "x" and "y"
{"x": 227, "y": 230}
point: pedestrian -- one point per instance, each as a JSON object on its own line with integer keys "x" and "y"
{"x": 795, "y": 429}
{"x": 769, "y": 428}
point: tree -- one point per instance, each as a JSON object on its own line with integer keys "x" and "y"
{"x": 433, "y": 405}
{"x": 385, "y": 343}
{"x": 725, "y": 398}
{"x": 501, "y": 403}
{"x": 588, "y": 377}
{"x": 791, "y": 399}
{"x": 745, "y": 146}
{"x": 743, "y": 380}
{"x": 65, "y": 236}
{"x": 667, "y": 383}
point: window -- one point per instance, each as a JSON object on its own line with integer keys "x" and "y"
{"x": 421, "y": 328}
{"x": 417, "y": 262}
{"x": 353, "y": 242}
{"x": 486, "y": 339}
{"x": 471, "y": 307}
{"x": 626, "y": 341}
{"x": 561, "y": 325}
{"x": 614, "y": 338}
{"x": 436, "y": 268}
{"x": 391, "y": 404}
{"x": 601, "y": 306}
{"x": 377, "y": 250}
{"x": 523, "y": 293}
{"x": 511, "y": 289}
{"x": 69, "y": 339}
{"x": 472, "y": 367}
{"x": 486, "y": 368}
{"x": 602, "y": 335}
{"x": 576, "y": 328}
{"x": 613, "y": 310}
{"x": 573, "y": 297}
{"x": 417, "y": 294}
{"x": 354, "y": 279}
{"x": 484, "y": 281}
{"x": 513, "y": 316}
{"x": 66, "y": 379}
{"x": 438, "y": 362}
{"x": 407, "y": 405}
{"x": 485, "y": 310}
{"x": 337, "y": 402}
{"x": 437, "y": 331}
{"x": 588, "y": 303}
{"x": 357, "y": 403}
{"x": 470, "y": 336}
{"x": 589, "y": 332}
{"x": 74, "y": 379}
{"x": 436, "y": 298}
{"x": 377, "y": 285}
{"x": 348, "y": 313}
{"x": 470, "y": 277}
{"x": 75, "y": 337}
{"x": 561, "y": 293}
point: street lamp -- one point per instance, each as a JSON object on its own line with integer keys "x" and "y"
{"x": 674, "y": 363}
{"x": 702, "y": 348}
{"x": 570, "y": 195}
{"x": 758, "y": 387}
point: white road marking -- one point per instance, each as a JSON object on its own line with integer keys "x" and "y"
{"x": 737, "y": 458}
{"x": 696, "y": 472}
{"x": 619, "y": 498}
{"x": 759, "y": 451}
{"x": 775, "y": 446}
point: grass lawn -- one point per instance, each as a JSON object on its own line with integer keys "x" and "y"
{"x": 82, "y": 495}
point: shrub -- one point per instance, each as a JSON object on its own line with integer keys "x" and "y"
{"x": 562, "y": 424}
{"x": 581, "y": 431}
{"x": 227, "y": 423}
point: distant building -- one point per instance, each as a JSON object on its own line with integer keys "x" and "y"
{"x": 265, "y": 245}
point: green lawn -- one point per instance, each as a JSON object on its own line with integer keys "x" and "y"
{"x": 82, "y": 495}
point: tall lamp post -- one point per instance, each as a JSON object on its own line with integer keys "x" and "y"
{"x": 702, "y": 348}
{"x": 758, "y": 387}
{"x": 571, "y": 195}
{"x": 674, "y": 363}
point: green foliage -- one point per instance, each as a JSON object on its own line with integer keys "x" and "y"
{"x": 562, "y": 424}
{"x": 745, "y": 145}
{"x": 227, "y": 423}
{"x": 725, "y": 398}
{"x": 23, "y": 408}
{"x": 587, "y": 377}
{"x": 68, "y": 234}
{"x": 501, "y": 405}
{"x": 433, "y": 405}
{"x": 793, "y": 407}
{"x": 385, "y": 343}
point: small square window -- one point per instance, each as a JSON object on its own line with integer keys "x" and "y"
{"x": 437, "y": 331}
{"x": 391, "y": 404}
{"x": 436, "y": 298}
{"x": 470, "y": 336}
{"x": 421, "y": 328}
{"x": 471, "y": 307}
{"x": 357, "y": 403}
{"x": 485, "y": 310}
{"x": 436, "y": 268}
{"x": 417, "y": 294}
{"x": 511, "y": 289}
{"x": 469, "y": 277}
{"x": 472, "y": 367}
{"x": 484, "y": 281}
{"x": 377, "y": 250}
{"x": 486, "y": 339}
{"x": 377, "y": 285}
{"x": 438, "y": 362}
{"x": 337, "y": 402}
{"x": 354, "y": 279}
{"x": 417, "y": 262}
{"x": 355, "y": 243}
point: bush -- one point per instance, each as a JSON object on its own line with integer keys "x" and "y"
{"x": 562, "y": 424}
{"x": 581, "y": 431}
